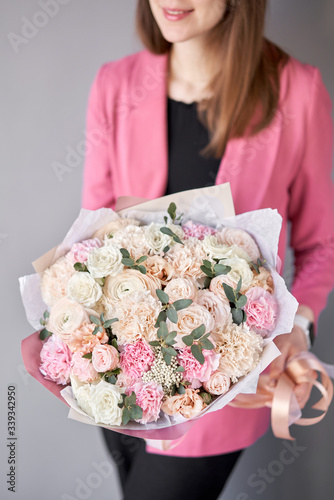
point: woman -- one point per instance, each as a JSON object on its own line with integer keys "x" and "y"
{"x": 209, "y": 101}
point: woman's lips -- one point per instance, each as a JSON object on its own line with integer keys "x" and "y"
{"x": 176, "y": 14}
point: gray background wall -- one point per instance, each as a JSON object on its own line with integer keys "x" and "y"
{"x": 45, "y": 82}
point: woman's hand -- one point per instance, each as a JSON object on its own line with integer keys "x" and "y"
{"x": 290, "y": 344}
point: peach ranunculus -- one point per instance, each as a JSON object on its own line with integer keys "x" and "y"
{"x": 188, "y": 405}
{"x": 159, "y": 268}
{"x": 219, "y": 308}
{"x": 132, "y": 238}
{"x": 137, "y": 314}
{"x": 55, "y": 279}
{"x": 128, "y": 281}
{"x": 218, "y": 384}
{"x": 109, "y": 229}
{"x": 66, "y": 316}
{"x": 261, "y": 310}
{"x": 264, "y": 279}
{"x": 240, "y": 350}
{"x": 104, "y": 358}
{"x": 231, "y": 236}
{"x": 187, "y": 259}
{"x": 181, "y": 288}
{"x": 83, "y": 368}
{"x": 83, "y": 340}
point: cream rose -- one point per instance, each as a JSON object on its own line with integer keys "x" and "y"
{"x": 181, "y": 288}
{"x": 130, "y": 280}
{"x": 109, "y": 229}
{"x": 105, "y": 261}
{"x": 218, "y": 384}
{"x": 231, "y": 236}
{"x": 156, "y": 240}
{"x": 219, "y": 308}
{"x": 55, "y": 280}
{"x": 105, "y": 358}
{"x": 188, "y": 405}
{"x": 65, "y": 317}
{"x": 83, "y": 288}
{"x": 104, "y": 403}
{"x": 159, "y": 268}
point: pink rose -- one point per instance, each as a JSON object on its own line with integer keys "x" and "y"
{"x": 198, "y": 231}
{"x": 83, "y": 368}
{"x": 261, "y": 310}
{"x": 149, "y": 397}
{"x": 188, "y": 405}
{"x": 136, "y": 359}
{"x": 56, "y": 361}
{"x": 104, "y": 358}
{"x": 218, "y": 384}
{"x": 194, "y": 371}
{"x": 79, "y": 251}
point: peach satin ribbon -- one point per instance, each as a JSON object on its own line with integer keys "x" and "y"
{"x": 302, "y": 367}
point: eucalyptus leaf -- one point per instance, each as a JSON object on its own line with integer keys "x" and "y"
{"x": 141, "y": 259}
{"x": 130, "y": 400}
{"x": 95, "y": 320}
{"x": 109, "y": 322}
{"x": 128, "y": 262}
{"x": 206, "y": 344}
{"x": 111, "y": 380}
{"x": 125, "y": 253}
{"x": 181, "y": 389}
{"x": 165, "y": 250}
{"x": 177, "y": 239}
{"x": 182, "y": 304}
{"x": 173, "y": 390}
{"x": 207, "y": 282}
{"x": 168, "y": 231}
{"x": 162, "y": 296}
{"x": 237, "y": 316}
{"x": 207, "y": 264}
{"x": 96, "y": 330}
{"x": 172, "y": 211}
{"x": 207, "y": 271}
{"x": 207, "y": 398}
{"x": 180, "y": 369}
{"x": 44, "y": 334}
{"x": 88, "y": 355}
{"x": 167, "y": 358}
{"x": 154, "y": 343}
{"x": 169, "y": 350}
{"x": 198, "y": 332}
{"x": 114, "y": 343}
{"x": 126, "y": 416}
{"x": 197, "y": 353}
{"x": 136, "y": 412}
{"x": 172, "y": 315}
{"x": 162, "y": 317}
{"x": 239, "y": 285}
{"x": 142, "y": 269}
{"x": 162, "y": 331}
{"x": 229, "y": 292}
{"x": 46, "y": 315}
{"x": 241, "y": 302}
{"x": 220, "y": 269}
{"x": 188, "y": 340}
{"x": 102, "y": 318}
{"x": 170, "y": 337}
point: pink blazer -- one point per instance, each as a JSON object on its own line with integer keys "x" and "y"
{"x": 287, "y": 167}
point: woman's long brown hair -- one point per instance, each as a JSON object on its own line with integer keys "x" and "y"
{"x": 245, "y": 89}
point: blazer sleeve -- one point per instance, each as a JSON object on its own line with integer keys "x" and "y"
{"x": 97, "y": 189}
{"x": 311, "y": 208}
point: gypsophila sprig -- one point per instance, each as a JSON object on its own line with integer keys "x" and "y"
{"x": 168, "y": 375}
{"x": 131, "y": 411}
{"x": 128, "y": 261}
{"x": 44, "y": 333}
{"x": 237, "y": 301}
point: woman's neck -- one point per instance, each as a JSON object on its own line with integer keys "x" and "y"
{"x": 189, "y": 72}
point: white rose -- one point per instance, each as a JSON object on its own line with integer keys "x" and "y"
{"x": 105, "y": 261}
{"x": 130, "y": 280}
{"x": 156, "y": 240}
{"x": 181, "y": 288}
{"x": 66, "y": 316}
{"x": 213, "y": 248}
{"x": 104, "y": 403}
{"x": 83, "y": 289}
{"x": 239, "y": 269}
{"x": 82, "y": 393}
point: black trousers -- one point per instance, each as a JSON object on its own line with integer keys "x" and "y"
{"x": 146, "y": 476}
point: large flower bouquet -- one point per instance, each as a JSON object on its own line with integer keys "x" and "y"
{"x": 156, "y": 318}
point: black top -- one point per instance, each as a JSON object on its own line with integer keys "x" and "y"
{"x": 187, "y": 136}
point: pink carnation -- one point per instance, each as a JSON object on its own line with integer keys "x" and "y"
{"x": 192, "y": 230}
{"x": 136, "y": 359}
{"x": 56, "y": 360}
{"x": 149, "y": 397}
{"x": 194, "y": 371}
{"x": 83, "y": 368}
{"x": 79, "y": 251}
{"x": 261, "y": 310}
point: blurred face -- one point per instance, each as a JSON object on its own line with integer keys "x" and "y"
{"x": 181, "y": 20}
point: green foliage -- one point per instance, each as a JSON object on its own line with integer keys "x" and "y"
{"x": 212, "y": 270}
{"x": 81, "y": 267}
{"x": 131, "y": 411}
{"x": 128, "y": 261}
{"x": 237, "y": 301}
